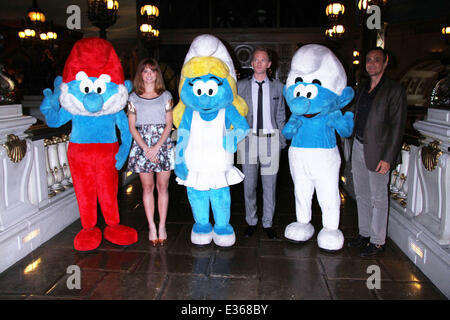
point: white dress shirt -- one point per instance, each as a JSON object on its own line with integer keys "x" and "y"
{"x": 267, "y": 123}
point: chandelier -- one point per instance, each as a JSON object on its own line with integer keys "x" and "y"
{"x": 355, "y": 57}
{"x": 148, "y": 28}
{"x": 36, "y": 27}
{"x": 103, "y": 14}
{"x": 335, "y": 32}
{"x": 335, "y": 11}
{"x": 446, "y": 32}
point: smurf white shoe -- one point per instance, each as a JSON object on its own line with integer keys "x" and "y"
{"x": 201, "y": 239}
{"x": 224, "y": 240}
{"x": 297, "y": 231}
{"x": 329, "y": 239}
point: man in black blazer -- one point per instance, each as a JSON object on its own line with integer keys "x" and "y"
{"x": 380, "y": 118}
{"x": 259, "y": 152}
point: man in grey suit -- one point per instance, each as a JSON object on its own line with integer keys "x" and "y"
{"x": 380, "y": 118}
{"x": 260, "y": 150}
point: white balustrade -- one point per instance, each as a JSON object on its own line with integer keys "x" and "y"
{"x": 403, "y": 173}
{"x": 50, "y": 175}
{"x": 29, "y": 216}
{"x": 420, "y": 224}
{"x": 399, "y": 187}
{"x": 58, "y": 171}
{"x": 53, "y": 160}
{"x": 394, "y": 178}
{"x": 64, "y": 162}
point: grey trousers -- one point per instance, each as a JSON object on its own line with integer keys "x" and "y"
{"x": 259, "y": 155}
{"x": 372, "y": 199}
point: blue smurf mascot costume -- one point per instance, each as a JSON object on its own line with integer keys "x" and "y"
{"x": 210, "y": 121}
{"x": 316, "y": 92}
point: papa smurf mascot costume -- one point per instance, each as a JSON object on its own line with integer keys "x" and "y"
{"x": 315, "y": 91}
{"x": 92, "y": 93}
{"x": 208, "y": 107}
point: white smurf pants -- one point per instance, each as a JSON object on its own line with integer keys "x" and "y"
{"x": 316, "y": 168}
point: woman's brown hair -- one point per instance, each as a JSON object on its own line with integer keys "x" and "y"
{"x": 138, "y": 83}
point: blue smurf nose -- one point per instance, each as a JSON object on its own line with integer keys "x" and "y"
{"x": 93, "y": 102}
{"x": 204, "y": 100}
{"x": 300, "y": 105}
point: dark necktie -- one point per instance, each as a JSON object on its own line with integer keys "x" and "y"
{"x": 259, "y": 122}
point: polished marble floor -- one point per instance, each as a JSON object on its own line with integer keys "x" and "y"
{"x": 253, "y": 269}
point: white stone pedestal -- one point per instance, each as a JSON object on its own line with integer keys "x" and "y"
{"x": 420, "y": 222}
{"x": 28, "y": 217}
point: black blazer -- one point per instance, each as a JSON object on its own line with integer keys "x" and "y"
{"x": 385, "y": 124}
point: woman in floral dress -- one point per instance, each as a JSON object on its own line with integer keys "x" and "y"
{"x": 150, "y": 122}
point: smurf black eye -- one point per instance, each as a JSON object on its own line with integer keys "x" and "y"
{"x": 311, "y": 91}
{"x": 317, "y": 81}
{"x": 86, "y": 86}
{"x": 211, "y": 87}
{"x": 198, "y": 88}
{"x": 298, "y": 79}
{"x": 100, "y": 86}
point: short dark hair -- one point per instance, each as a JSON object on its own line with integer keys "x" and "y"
{"x": 385, "y": 54}
{"x": 263, "y": 49}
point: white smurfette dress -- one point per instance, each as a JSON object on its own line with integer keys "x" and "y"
{"x": 210, "y": 165}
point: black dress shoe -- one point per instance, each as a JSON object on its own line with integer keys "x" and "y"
{"x": 359, "y": 242}
{"x": 371, "y": 250}
{"x": 271, "y": 234}
{"x": 249, "y": 231}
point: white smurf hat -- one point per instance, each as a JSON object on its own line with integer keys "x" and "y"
{"x": 314, "y": 61}
{"x": 207, "y": 45}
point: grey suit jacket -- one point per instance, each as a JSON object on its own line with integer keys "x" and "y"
{"x": 383, "y": 133}
{"x": 277, "y": 104}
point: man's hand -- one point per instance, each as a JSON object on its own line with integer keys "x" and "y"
{"x": 383, "y": 167}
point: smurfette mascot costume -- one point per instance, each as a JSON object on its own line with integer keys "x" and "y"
{"x": 210, "y": 121}
{"x": 315, "y": 91}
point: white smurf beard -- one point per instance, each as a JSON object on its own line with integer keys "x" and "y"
{"x": 113, "y": 105}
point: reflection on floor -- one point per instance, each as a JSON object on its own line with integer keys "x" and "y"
{"x": 253, "y": 269}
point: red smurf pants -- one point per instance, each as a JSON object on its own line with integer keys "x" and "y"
{"x": 95, "y": 176}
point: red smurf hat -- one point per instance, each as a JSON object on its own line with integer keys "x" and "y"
{"x": 94, "y": 56}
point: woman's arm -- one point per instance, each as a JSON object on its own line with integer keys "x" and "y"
{"x": 135, "y": 134}
{"x": 153, "y": 151}
{"x": 168, "y": 128}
